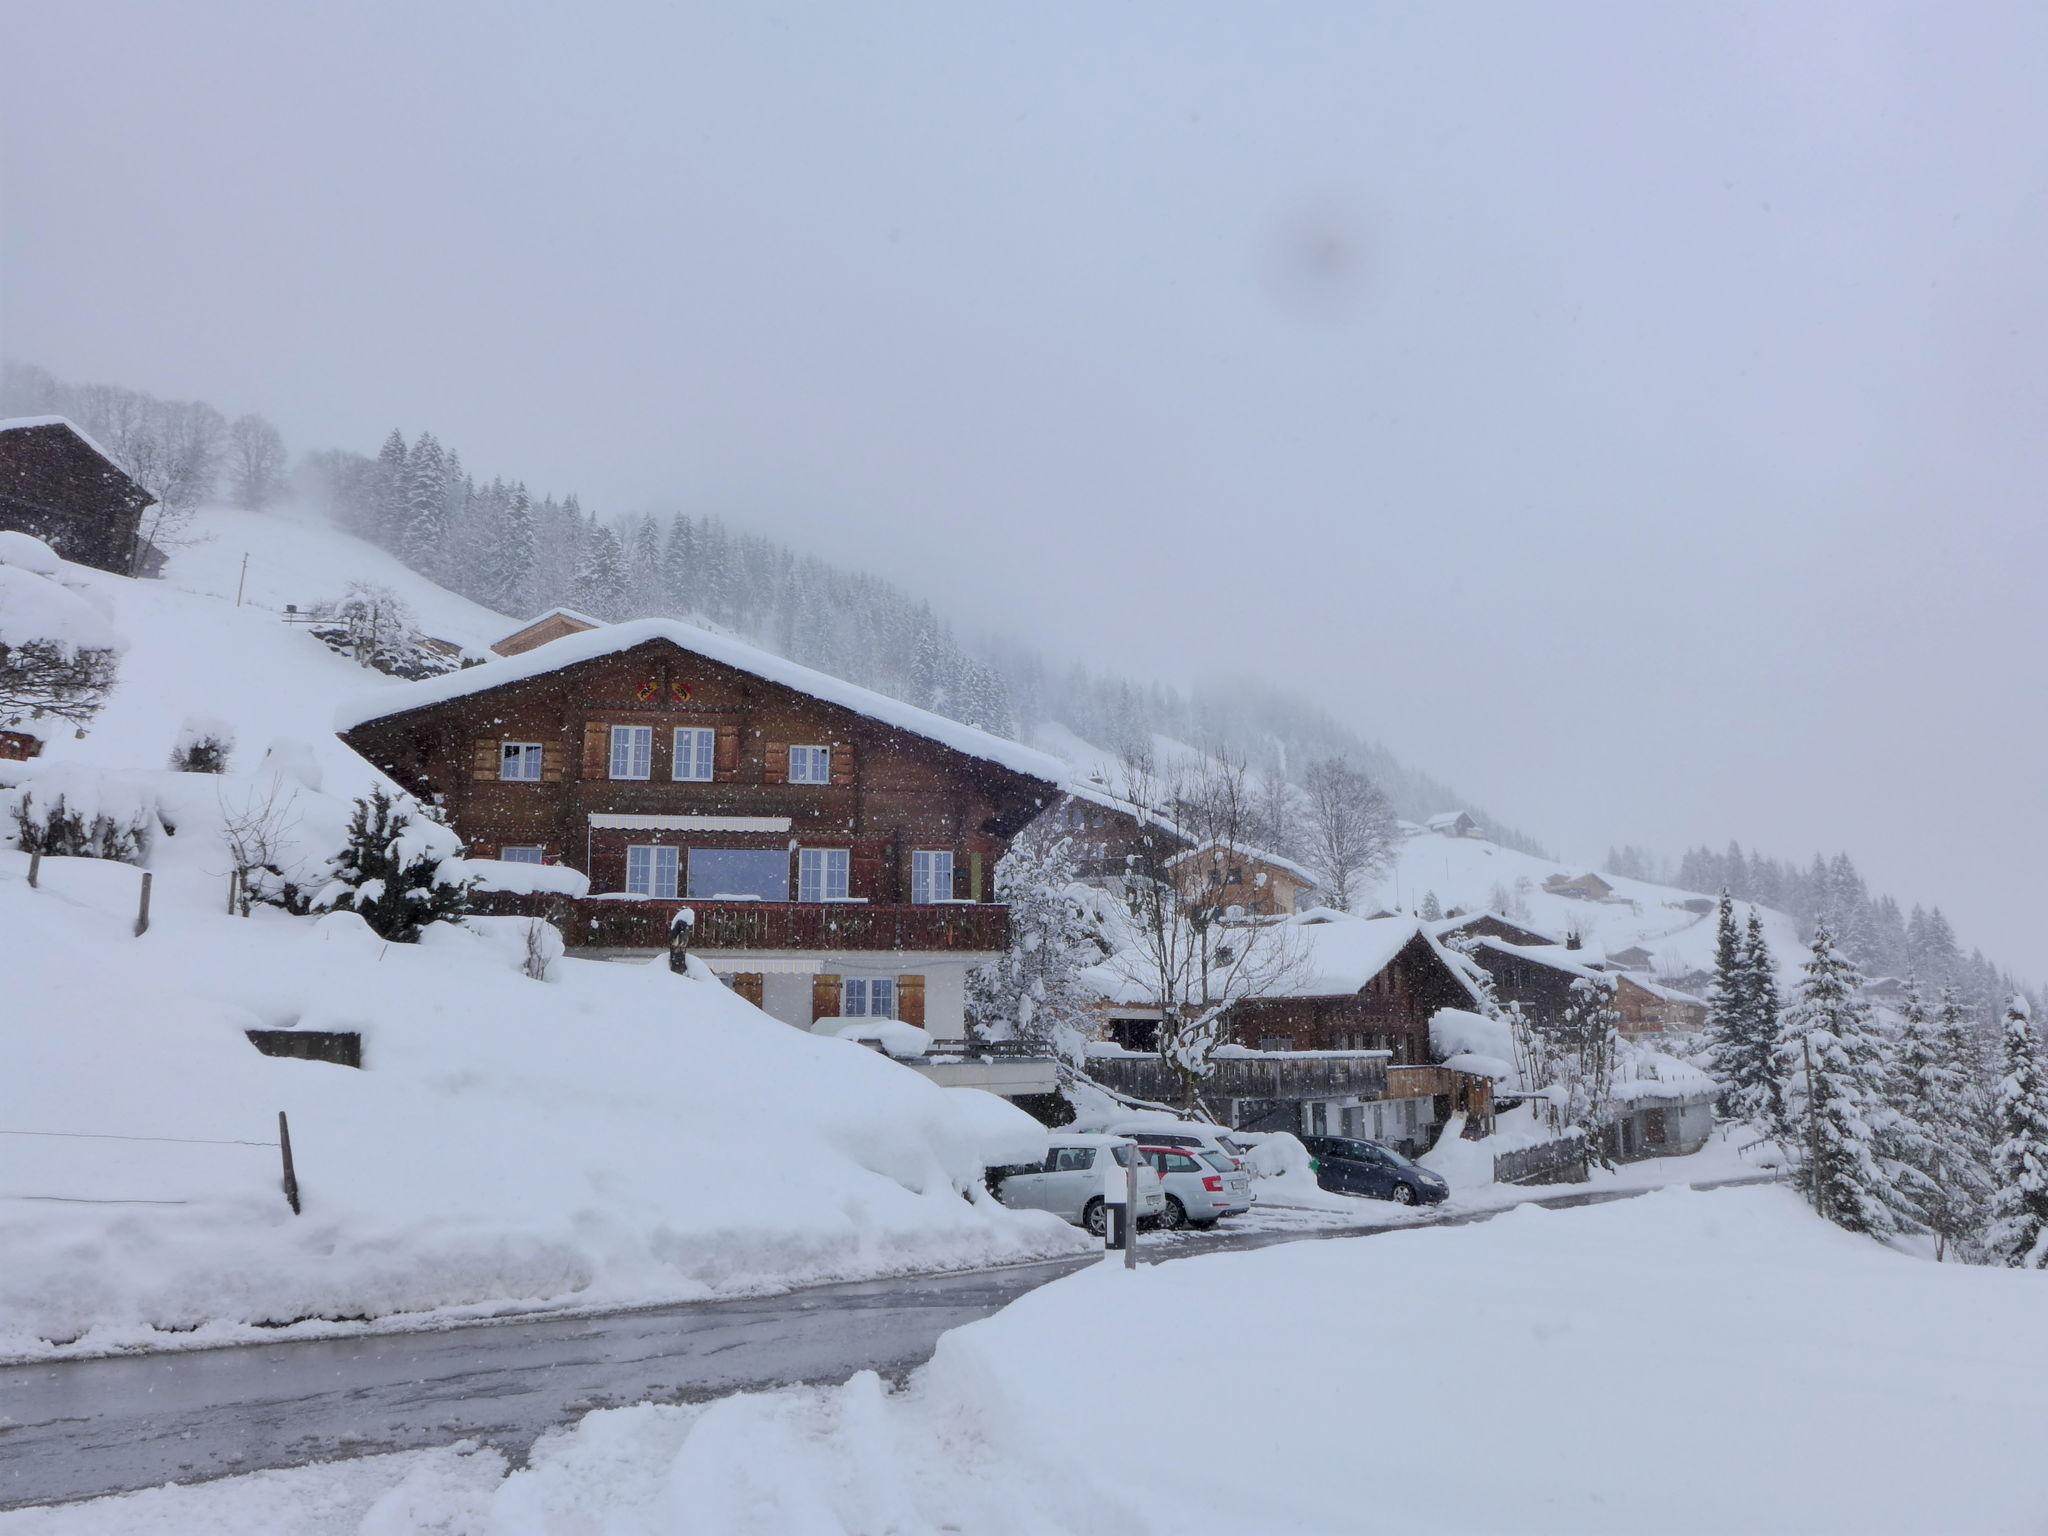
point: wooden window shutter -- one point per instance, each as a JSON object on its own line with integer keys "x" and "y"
{"x": 550, "y": 764}
{"x": 910, "y": 1000}
{"x": 865, "y": 869}
{"x": 726, "y": 762}
{"x": 776, "y": 769}
{"x": 842, "y": 762}
{"x": 824, "y": 997}
{"x": 974, "y": 875}
{"x": 484, "y": 765}
{"x": 597, "y": 750}
{"x": 748, "y": 984}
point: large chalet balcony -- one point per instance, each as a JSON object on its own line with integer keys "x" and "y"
{"x": 617, "y": 922}
{"x": 1240, "y": 1073}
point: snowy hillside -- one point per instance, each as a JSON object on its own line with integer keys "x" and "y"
{"x": 611, "y": 1133}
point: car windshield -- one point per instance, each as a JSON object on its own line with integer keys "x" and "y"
{"x": 1390, "y": 1155}
{"x": 1123, "y": 1154}
{"x": 1219, "y": 1162}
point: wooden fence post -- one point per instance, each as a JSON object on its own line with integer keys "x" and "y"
{"x": 142, "y": 912}
{"x": 234, "y": 879}
{"x": 35, "y": 866}
{"x": 291, "y": 1177}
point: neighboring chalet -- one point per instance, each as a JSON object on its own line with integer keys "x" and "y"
{"x": 59, "y": 485}
{"x": 1586, "y": 887}
{"x": 552, "y": 625}
{"x": 1227, "y": 875}
{"x": 1341, "y": 1046}
{"x": 1634, "y": 958}
{"x": 1107, "y": 831}
{"x": 1648, "y": 1007}
{"x": 837, "y": 847}
{"x": 1451, "y": 824}
{"x": 1540, "y": 978}
{"x": 1490, "y": 925}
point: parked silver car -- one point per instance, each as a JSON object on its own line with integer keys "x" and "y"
{"x": 1202, "y": 1186}
{"x": 1069, "y": 1182}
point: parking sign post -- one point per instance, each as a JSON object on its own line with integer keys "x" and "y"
{"x": 1117, "y": 1192}
{"x": 1131, "y": 1212}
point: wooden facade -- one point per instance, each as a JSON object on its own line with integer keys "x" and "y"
{"x": 1259, "y": 884}
{"x": 56, "y": 485}
{"x": 1647, "y": 1010}
{"x": 889, "y": 794}
{"x": 1391, "y": 1012}
{"x": 1106, "y": 832}
{"x": 552, "y": 625}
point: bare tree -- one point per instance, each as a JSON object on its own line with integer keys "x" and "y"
{"x": 1276, "y": 815}
{"x": 1349, "y": 830}
{"x": 1195, "y": 959}
{"x": 46, "y": 679}
{"x": 258, "y": 834}
{"x": 256, "y": 461}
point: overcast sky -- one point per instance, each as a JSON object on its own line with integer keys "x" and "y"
{"x": 1634, "y": 415}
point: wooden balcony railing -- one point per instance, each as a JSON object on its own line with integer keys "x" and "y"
{"x": 616, "y": 923}
{"x": 1243, "y": 1074}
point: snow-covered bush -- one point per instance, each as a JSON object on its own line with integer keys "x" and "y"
{"x": 84, "y": 820}
{"x": 203, "y": 745}
{"x": 57, "y": 650}
{"x": 374, "y": 627}
{"x": 390, "y": 871}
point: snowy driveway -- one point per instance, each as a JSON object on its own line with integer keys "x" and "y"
{"x": 73, "y": 1429}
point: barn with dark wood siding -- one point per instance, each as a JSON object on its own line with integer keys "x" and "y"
{"x": 59, "y": 485}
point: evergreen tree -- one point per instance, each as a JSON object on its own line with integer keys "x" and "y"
{"x": 1933, "y": 1081}
{"x": 1760, "y": 1087}
{"x": 385, "y": 519}
{"x": 426, "y": 523}
{"x": 598, "y": 588}
{"x": 390, "y": 874}
{"x": 510, "y": 557}
{"x": 1833, "y": 1067}
{"x": 677, "y": 567}
{"x": 643, "y": 569}
{"x": 1432, "y": 909}
{"x": 2018, "y": 1237}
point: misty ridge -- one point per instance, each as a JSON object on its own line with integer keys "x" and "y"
{"x": 492, "y": 541}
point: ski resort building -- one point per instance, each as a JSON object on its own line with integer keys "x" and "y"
{"x": 60, "y": 486}
{"x": 836, "y": 847}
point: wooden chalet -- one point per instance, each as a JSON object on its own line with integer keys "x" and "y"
{"x": 1647, "y": 1007}
{"x": 1107, "y": 831}
{"x": 59, "y": 485}
{"x": 836, "y": 847}
{"x": 1586, "y": 887}
{"x": 1251, "y": 880}
{"x": 555, "y": 624}
{"x": 1490, "y": 925}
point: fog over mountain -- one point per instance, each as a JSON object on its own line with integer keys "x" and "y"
{"x": 1630, "y": 418}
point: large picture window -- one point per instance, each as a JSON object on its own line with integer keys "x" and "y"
{"x": 821, "y": 874}
{"x": 931, "y": 875}
{"x": 632, "y": 751}
{"x": 739, "y": 874}
{"x": 650, "y": 870}
{"x": 695, "y": 749}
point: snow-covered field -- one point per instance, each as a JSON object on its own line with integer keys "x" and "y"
{"x": 610, "y": 1134}
{"x": 1681, "y": 1362}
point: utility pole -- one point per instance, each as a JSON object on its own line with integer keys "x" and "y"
{"x": 242, "y": 580}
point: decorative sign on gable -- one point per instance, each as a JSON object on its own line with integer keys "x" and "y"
{"x": 679, "y": 692}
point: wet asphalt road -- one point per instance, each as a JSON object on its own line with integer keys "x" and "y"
{"x": 73, "y": 1429}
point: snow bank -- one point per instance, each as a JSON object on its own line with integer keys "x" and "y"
{"x": 517, "y": 878}
{"x": 1022, "y": 1423}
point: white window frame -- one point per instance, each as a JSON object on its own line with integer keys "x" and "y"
{"x": 523, "y": 853}
{"x": 817, "y": 764}
{"x": 701, "y": 751}
{"x": 816, "y": 869}
{"x": 632, "y": 745}
{"x": 520, "y": 755}
{"x": 927, "y": 885}
{"x": 654, "y": 866}
{"x": 859, "y": 995}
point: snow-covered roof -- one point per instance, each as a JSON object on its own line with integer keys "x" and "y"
{"x": 1341, "y": 953}
{"x": 559, "y": 613}
{"x": 1095, "y": 794}
{"x": 1446, "y": 819}
{"x": 1668, "y": 994}
{"x": 1574, "y": 962}
{"x": 23, "y": 423}
{"x": 611, "y": 639}
{"x": 1450, "y": 925}
{"x": 1247, "y": 851}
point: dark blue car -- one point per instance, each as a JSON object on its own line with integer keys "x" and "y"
{"x": 1366, "y": 1168}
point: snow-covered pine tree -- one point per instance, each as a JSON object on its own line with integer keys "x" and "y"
{"x": 1032, "y": 992}
{"x": 1431, "y": 910}
{"x": 392, "y": 489}
{"x": 426, "y": 506}
{"x": 1833, "y": 1063}
{"x": 677, "y": 567}
{"x": 643, "y": 568}
{"x": 389, "y": 873}
{"x": 1762, "y": 1086}
{"x": 509, "y": 556}
{"x": 1727, "y": 1020}
{"x": 1908, "y": 1147}
{"x": 1934, "y": 1079}
{"x": 598, "y": 587}
{"x": 2018, "y": 1236}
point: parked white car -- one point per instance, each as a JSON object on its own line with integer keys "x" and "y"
{"x": 1069, "y": 1183}
{"x": 1202, "y": 1185}
{"x": 1169, "y": 1131}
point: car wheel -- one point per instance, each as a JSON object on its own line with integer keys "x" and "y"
{"x": 1175, "y": 1216}
{"x": 1095, "y": 1217}
{"x": 1403, "y": 1195}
